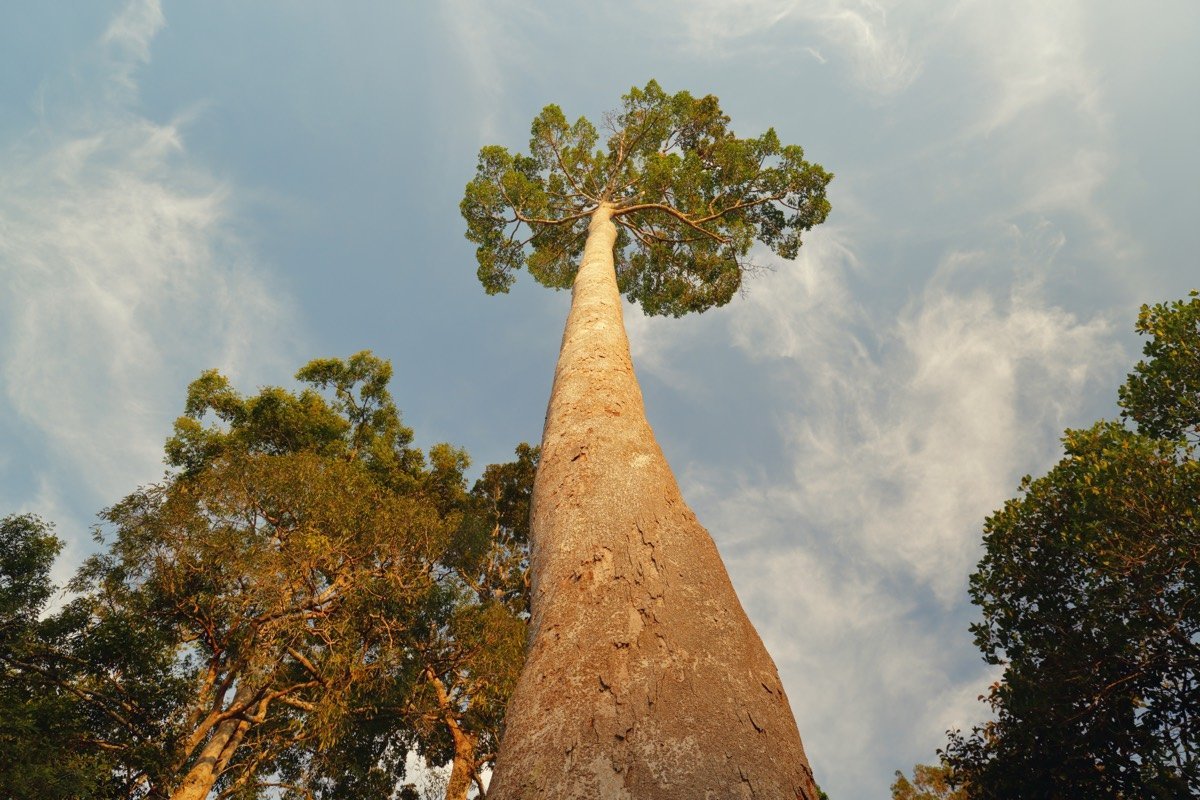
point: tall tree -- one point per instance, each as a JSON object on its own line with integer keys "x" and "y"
{"x": 1089, "y": 590}
{"x": 644, "y": 676}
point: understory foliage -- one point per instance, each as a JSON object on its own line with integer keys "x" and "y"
{"x": 688, "y": 196}
{"x": 1090, "y": 598}
{"x": 301, "y": 601}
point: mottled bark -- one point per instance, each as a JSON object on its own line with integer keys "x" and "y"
{"x": 463, "y": 769}
{"x": 644, "y": 677}
{"x": 214, "y": 757}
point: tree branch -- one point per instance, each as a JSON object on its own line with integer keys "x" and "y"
{"x": 677, "y": 214}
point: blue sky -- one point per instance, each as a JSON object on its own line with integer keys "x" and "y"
{"x": 251, "y": 185}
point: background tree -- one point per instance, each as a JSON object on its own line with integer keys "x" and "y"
{"x": 44, "y": 752}
{"x": 1090, "y": 595}
{"x": 271, "y": 619}
{"x": 1162, "y": 395}
{"x": 281, "y": 566}
{"x": 472, "y": 646}
{"x": 644, "y": 676}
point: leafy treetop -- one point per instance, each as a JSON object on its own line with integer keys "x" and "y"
{"x": 1162, "y": 394}
{"x": 929, "y": 782}
{"x": 688, "y": 196}
{"x": 347, "y": 413}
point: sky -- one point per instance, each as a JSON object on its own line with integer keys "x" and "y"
{"x": 247, "y": 186}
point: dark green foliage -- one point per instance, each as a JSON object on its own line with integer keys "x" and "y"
{"x": 42, "y": 726}
{"x": 27, "y": 550}
{"x": 1162, "y": 396}
{"x": 689, "y": 198}
{"x": 1090, "y": 595}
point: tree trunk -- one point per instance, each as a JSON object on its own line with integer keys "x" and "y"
{"x": 212, "y": 761}
{"x": 644, "y": 678}
{"x": 463, "y": 767}
{"x": 462, "y": 771}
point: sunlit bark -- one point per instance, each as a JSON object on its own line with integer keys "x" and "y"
{"x": 645, "y": 679}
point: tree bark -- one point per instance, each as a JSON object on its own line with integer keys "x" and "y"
{"x": 226, "y": 737}
{"x": 644, "y": 677}
{"x": 216, "y": 754}
{"x": 462, "y": 770}
{"x": 463, "y": 767}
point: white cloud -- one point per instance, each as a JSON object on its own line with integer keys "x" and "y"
{"x": 122, "y": 277}
{"x": 130, "y": 33}
{"x": 1034, "y": 54}
{"x": 880, "y": 52}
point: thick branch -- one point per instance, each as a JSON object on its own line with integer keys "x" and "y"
{"x": 539, "y": 221}
{"x": 679, "y": 215}
{"x": 696, "y": 223}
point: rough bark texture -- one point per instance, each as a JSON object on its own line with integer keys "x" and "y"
{"x": 644, "y": 679}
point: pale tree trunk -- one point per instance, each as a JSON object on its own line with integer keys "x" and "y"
{"x": 644, "y": 679}
{"x": 462, "y": 769}
{"x": 214, "y": 757}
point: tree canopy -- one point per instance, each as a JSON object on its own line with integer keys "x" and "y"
{"x": 688, "y": 196}
{"x": 1090, "y": 597}
{"x": 1162, "y": 395}
{"x": 304, "y": 599}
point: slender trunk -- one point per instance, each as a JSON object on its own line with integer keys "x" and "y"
{"x": 462, "y": 769}
{"x": 214, "y": 757}
{"x": 644, "y": 677}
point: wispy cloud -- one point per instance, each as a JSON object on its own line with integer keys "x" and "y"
{"x": 128, "y": 39}
{"x": 907, "y": 420}
{"x": 122, "y": 275}
{"x": 1032, "y": 54}
{"x": 1040, "y": 108}
{"x": 916, "y": 426}
{"x": 488, "y": 37}
{"x": 863, "y": 35}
